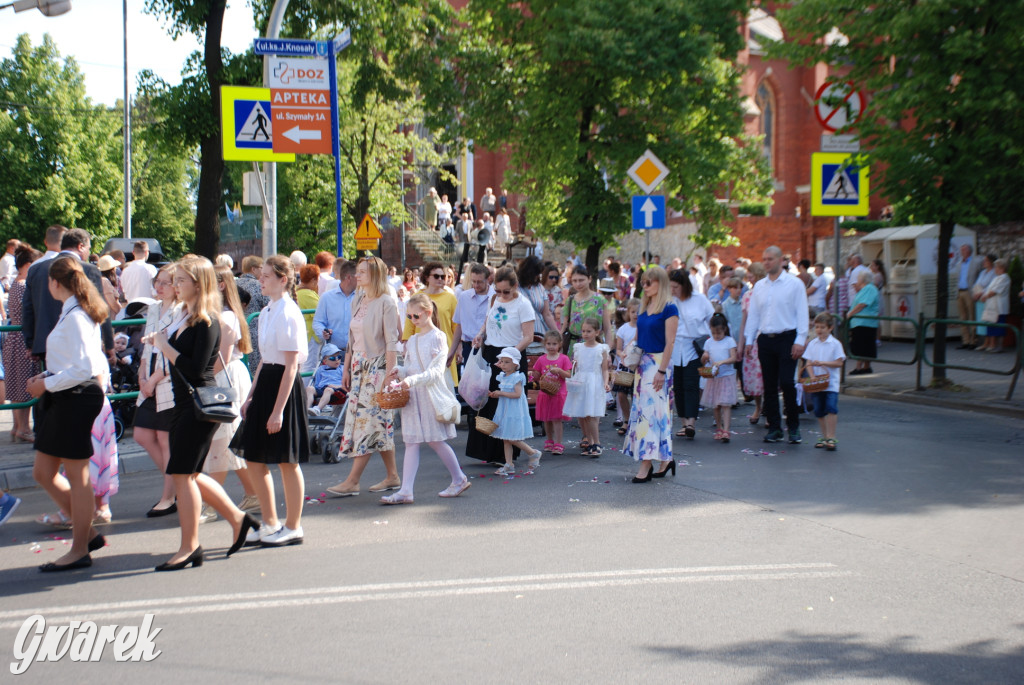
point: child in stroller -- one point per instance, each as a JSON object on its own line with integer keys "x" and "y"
{"x": 327, "y": 379}
{"x": 325, "y": 426}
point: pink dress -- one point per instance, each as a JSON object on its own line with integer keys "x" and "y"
{"x": 549, "y": 407}
{"x": 753, "y": 383}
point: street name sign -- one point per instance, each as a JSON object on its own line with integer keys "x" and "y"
{"x": 291, "y": 46}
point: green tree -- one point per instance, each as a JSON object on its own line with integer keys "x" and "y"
{"x": 576, "y": 90}
{"x": 942, "y": 126}
{"x": 61, "y": 154}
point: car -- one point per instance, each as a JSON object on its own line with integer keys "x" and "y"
{"x": 156, "y": 253}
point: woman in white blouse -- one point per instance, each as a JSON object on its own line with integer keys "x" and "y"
{"x": 694, "y": 313}
{"x": 276, "y": 429}
{"x": 997, "y": 307}
{"x": 509, "y": 323}
{"x": 71, "y": 400}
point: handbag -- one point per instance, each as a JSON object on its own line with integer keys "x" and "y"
{"x": 213, "y": 403}
{"x": 632, "y": 358}
{"x": 574, "y": 383}
{"x": 446, "y": 408}
{"x": 567, "y": 337}
{"x": 698, "y": 344}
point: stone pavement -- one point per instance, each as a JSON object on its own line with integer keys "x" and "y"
{"x": 973, "y": 391}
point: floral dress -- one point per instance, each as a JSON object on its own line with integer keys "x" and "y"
{"x": 368, "y": 427}
{"x": 591, "y": 308}
{"x": 18, "y": 368}
{"x": 753, "y": 383}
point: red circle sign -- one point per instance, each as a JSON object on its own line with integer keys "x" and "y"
{"x": 838, "y": 104}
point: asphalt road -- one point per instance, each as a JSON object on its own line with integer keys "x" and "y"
{"x": 897, "y": 559}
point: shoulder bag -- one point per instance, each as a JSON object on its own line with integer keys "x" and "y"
{"x": 212, "y": 403}
{"x": 446, "y": 408}
{"x": 567, "y": 337}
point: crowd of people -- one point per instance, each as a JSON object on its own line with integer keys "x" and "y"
{"x": 525, "y": 345}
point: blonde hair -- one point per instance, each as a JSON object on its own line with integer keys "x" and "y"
{"x": 208, "y": 302}
{"x": 422, "y": 301}
{"x": 283, "y": 268}
{"x": 230, "y": 300}
{"x": 378, "y": 273}
{"x": 657, "y": 274}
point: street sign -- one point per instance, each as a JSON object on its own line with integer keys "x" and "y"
{"x": 299, "y": 73}
{"x": 648, "y": 212}
{"x": 844, "y": 143}
{"x": 291, "y": 46}
{"x": 247, "y": 129}
{"x": 302, "y": 119}
{"x": 648, "y": 172}
{"x": 837, "y": 190}
{"x": 342, "y": 40}
{"x": 368, "y": 230}
{"x": 838, "y": 105}
{"x": 367, "y": 244}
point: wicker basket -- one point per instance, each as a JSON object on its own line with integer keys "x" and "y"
{"x": 815, "y": 383}
{"x": 623, "y": 378}
{"x": 549, "y": 385}
{"x": 485, "y": 426}
{"x": 392, "y": 399}
{"x": 706, "y": 371}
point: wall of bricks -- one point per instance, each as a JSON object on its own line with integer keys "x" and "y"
{"x": 1003, "y": 240}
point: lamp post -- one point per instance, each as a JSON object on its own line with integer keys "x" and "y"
{"x": 50, "y": 8}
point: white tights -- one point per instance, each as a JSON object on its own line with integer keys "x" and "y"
{"x": 411, "y": 464}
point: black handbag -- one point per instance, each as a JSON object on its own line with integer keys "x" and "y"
{"x": 213, "y": 403}
{"x": 698, "y": 344}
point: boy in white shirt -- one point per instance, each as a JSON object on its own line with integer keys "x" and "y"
{"x": 824, "y": 354}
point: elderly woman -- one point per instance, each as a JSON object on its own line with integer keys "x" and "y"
{"x": 988, "y": 272}
{"x": 509, "y": 323}
{"x": 997, "y": 307}
{"x": 371, "y": 354}
{"x": 694, "y": 312}
{"x": 584, "y": 304}
{"x": 531, "y": 285}
{"x": 649, "y": 438}
{"x": 863, "y": 330}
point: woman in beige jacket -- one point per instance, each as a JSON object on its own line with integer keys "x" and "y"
{"x": 371, "y": 355}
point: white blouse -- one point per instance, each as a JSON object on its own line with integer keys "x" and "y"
{"x": 504, "y": 327}
{"x": 74, "y": 349}
{"x": 282, "y": 329}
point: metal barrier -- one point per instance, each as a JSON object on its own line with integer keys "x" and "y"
{"x": 1018, "y": 349}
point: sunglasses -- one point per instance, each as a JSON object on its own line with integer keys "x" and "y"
{"x": 414, "y": 317}
{"x": 437, "y": 275}
{"x": 333, "y": 358}
{"x": 645, "y": 283}
{"x": 503, "y": 292}
{"x": 553, "y": 277}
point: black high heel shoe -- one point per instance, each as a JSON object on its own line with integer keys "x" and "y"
{"x": 97, "y": 543}
{"x": 196, "y": 559}
{"x": 247, "y": 523}
{"x": 661, "y": 474}
{"x": 81, "y": 562}
{"x": 645, "y": 479}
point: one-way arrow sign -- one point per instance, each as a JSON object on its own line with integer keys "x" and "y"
{"x": 648, "y": 212}
{"x": 298, "y": 135}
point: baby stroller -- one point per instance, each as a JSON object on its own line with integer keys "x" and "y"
{"x": 325, "y": 429}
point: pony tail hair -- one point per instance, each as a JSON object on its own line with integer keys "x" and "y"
{"x": 69, "y": 273}
{"x": 422, "y": 301}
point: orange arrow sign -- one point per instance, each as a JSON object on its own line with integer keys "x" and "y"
{"x": 367, "y": 229}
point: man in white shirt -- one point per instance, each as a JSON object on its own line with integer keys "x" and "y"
{"x": 818, "y": 289}
{"x": 137, "y": 276}
{"x": 7, "y": 268}
{"x": 778, "y": 320}
{"x": 470, "y": 312}
{"x": 489, "y": 202}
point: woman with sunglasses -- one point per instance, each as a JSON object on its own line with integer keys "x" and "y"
{"x": 650, "y": 422}
{"x": 530, "y": 285}
{"x": 509, "y": 323}
{"x": 370, "y": 357}
{"x": 553, "y": 285}
{"x": 434, "y": 278}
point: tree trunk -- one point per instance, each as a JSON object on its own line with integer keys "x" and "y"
{"x": 941, "y": 303}
{"x": 211, "y": 172}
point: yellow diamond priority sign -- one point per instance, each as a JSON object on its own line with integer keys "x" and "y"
{"x": 648, "y": 171}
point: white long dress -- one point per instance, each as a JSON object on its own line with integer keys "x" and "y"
{"x": 589, "y": 400}
{"x": 425, "y": 355}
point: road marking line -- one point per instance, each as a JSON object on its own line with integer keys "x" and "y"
{"x": 425, "y": 590}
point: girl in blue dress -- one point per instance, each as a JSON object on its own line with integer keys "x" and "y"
{"x": 513, "y": 413}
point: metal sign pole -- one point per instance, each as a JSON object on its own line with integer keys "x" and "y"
{"x": 336, "y": 145}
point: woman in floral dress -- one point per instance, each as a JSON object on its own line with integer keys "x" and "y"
{"x": 18, "y": 368}
{"x": 583, "y": 304}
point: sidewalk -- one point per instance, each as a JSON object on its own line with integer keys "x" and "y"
{"x": 974, "y": 391}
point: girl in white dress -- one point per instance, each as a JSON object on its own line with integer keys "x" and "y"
{"x": 588, "y": 385}
{"x": 426, "y": 352}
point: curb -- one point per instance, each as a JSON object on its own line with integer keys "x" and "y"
{"x": 916, "y": 397}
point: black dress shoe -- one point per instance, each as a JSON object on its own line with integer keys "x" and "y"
{"x": 157, "y": 513}
{"x": 81, "y": 562}
{"x": 645, "y": 479}
{"x": 196, "y": 559}
{"x": 661, "y": 474}
{"x": 97, "y": 543}
{"x": 247, "y": 523}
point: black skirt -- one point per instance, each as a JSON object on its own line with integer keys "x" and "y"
{"x": 66, "y": 427}
{"x": 478, "y": 445}
{"x": 146, "y": 416}
{"x": 190, "y": 439}
{"x": 862, "y": 341}
{"x": 290, "y": 445}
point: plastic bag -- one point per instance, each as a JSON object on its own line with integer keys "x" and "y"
{"x": 475, "y": 384}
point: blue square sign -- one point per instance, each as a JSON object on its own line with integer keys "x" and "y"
{"x": 840, "y": 186}
{"x": 252, "y": 125}
{"x": 648, "y": 212}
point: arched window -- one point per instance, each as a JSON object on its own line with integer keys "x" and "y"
{"x": 766, "y": 103}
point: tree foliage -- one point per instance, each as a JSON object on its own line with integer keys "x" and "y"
{"x": 945, "y": 88}
{"x": 576, "y": 90}
{"x": 61, "y": 154}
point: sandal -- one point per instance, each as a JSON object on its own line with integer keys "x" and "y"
{"x": 102, "y": 517}
{"x": 397, "y": 498}
{"x": 821, "y": 443}
{"x": 681, "y": 433}
{"x": 547, "y": 445}
{"x": 831, "y": 446}
{"x": 754, "y": 419}
{"x": 596, "y": 450}
{"x": 557, "y": 448}
{"x": 584, "y": 444}
{"x": 623, "y": 430}
{"x": 725, "y": 436}
{"x": 58, "y": 520}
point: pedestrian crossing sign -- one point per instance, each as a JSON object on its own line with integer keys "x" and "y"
{"x": 247, "y": 133}
{"x": 838, "y": 189}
